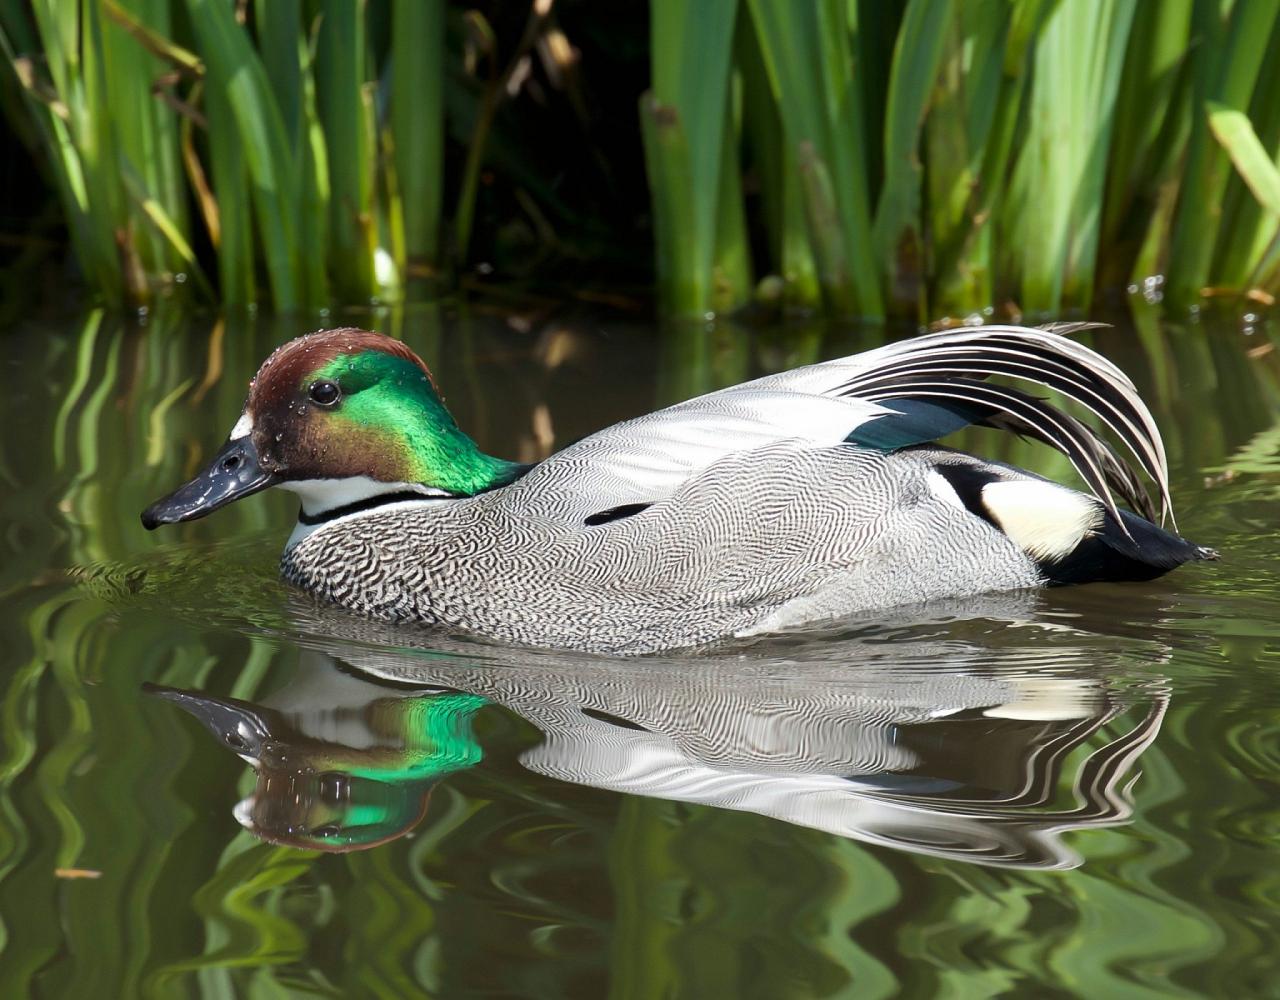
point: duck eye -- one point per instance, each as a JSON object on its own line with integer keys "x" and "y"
{"x": 324, "y": 393}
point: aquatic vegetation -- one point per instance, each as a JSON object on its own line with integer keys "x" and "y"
{"x": 912, "y": 159}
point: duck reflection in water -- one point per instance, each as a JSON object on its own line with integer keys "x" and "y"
{"x": 926, "y": 740}
{"x": 342, "y": 764}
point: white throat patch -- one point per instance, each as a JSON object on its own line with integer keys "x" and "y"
{"x": 321, "y": 495}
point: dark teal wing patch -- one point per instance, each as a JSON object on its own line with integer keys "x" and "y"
{"x": 913, "y": 422}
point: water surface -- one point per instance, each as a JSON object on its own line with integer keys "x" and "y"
{"x": 211, "y": 787}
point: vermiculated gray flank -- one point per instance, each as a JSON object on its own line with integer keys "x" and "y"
{"x": 733, "y": 550}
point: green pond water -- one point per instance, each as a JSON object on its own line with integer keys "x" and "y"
{"x": 1066, "y": 793}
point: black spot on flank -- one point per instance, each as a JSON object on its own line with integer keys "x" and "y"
{"x": 616, "y": 513}
{"x": 968, "y": 481}
{"x": 613, "y": 720}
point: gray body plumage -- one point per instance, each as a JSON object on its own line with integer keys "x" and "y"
{"x": 762, "y": 539}
{"x": 802, "y": 496}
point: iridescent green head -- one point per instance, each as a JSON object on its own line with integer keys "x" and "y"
{"x": 339, "y": 416}
{"x": 324, "y": 795}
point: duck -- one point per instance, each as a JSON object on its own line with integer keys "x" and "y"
{"x": 809, "y": 495}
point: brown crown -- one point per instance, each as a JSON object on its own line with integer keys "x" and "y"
{"x": 281, "y": 373}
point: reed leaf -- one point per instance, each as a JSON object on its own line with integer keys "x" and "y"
{"x": 1249, "y": 225}
{"x": 898, "y": 237}
{"x": 684, "y": 126}
{"x": 229, "y": 174}
{"x": 146, "y": 134}
{"x": 942, "y": 158}
{"x": 279, "y": 30}
{"x": 1150, "y": 114}
{"x": 808, "y": 54}
{"x": 1225, "y": 72}
{"x": 1061, "y": 172}
{"x": 967, "y": 141}
{"x": 56, "y": 108}
{"x": 346, "y": 115}
{"x": 235, "y": 70}
{"x": 417, "y": 122}
{"x": 731, "y": 263}
{"x": 1233, "y": 130}
{"x": 167, "y": 227}
{"x": 782, "y": 208}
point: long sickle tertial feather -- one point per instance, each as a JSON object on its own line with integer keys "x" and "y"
{"x": 953, "y": 365}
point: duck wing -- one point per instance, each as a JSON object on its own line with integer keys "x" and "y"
{"x": 906, "y": 393}
{"x": 626, "y": 467}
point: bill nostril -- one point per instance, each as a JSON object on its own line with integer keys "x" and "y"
{"x": 231, "y": 463}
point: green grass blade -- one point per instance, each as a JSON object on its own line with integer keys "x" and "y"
{"x": 169, "y": 230}
{"x": 731, "y": 265}
{"x": 807, "y": 52}
{"x": 666, "y": 155}
{"x": 279, "y": 28}
{"x": 1247, "y": 229}
{"x": 146, "y": 133}
{"x": 313, "y": 168}
{"x": 690, "y": 60}
{"x": 94, "y": 248}
{"x": 916, "y": 61}
{"x": 100, "y": 152}
{"x": 288, "y": 58}
{"x": 790, "y": 254}
{"x": 1235, "y": 132}
{"x": 417, "y": 121}
{"x": 1228, "y": 67}
{"x": 967, "y": 143}
{"x": 1079, "y": 53}
{"x": 344, "y": 112}
{"x": 235, "y": 69}
{"x": 1150, "y": 97}
{"x": 155, "y": 41}
{"x": 229, "y": 175}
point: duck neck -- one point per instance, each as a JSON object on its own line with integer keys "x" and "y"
{"x": 448, "y": 462}
{"x": 461, "y": 470}
{"x": 324, "y": 499}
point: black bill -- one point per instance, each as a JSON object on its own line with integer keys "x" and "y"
{"x": 235, "y": 472}
{"x": 240, "y": 726}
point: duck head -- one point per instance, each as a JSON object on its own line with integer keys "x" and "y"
{"x": 339, "y": 417}
{"x": 314, "y": 791}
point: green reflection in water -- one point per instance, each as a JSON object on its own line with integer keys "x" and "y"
{"x": 331, "y": 782}
{"x": 602, "y": 829}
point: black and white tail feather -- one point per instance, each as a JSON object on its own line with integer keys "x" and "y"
{"x": 951, "y": 367}
{"x": 909, "y": 395}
